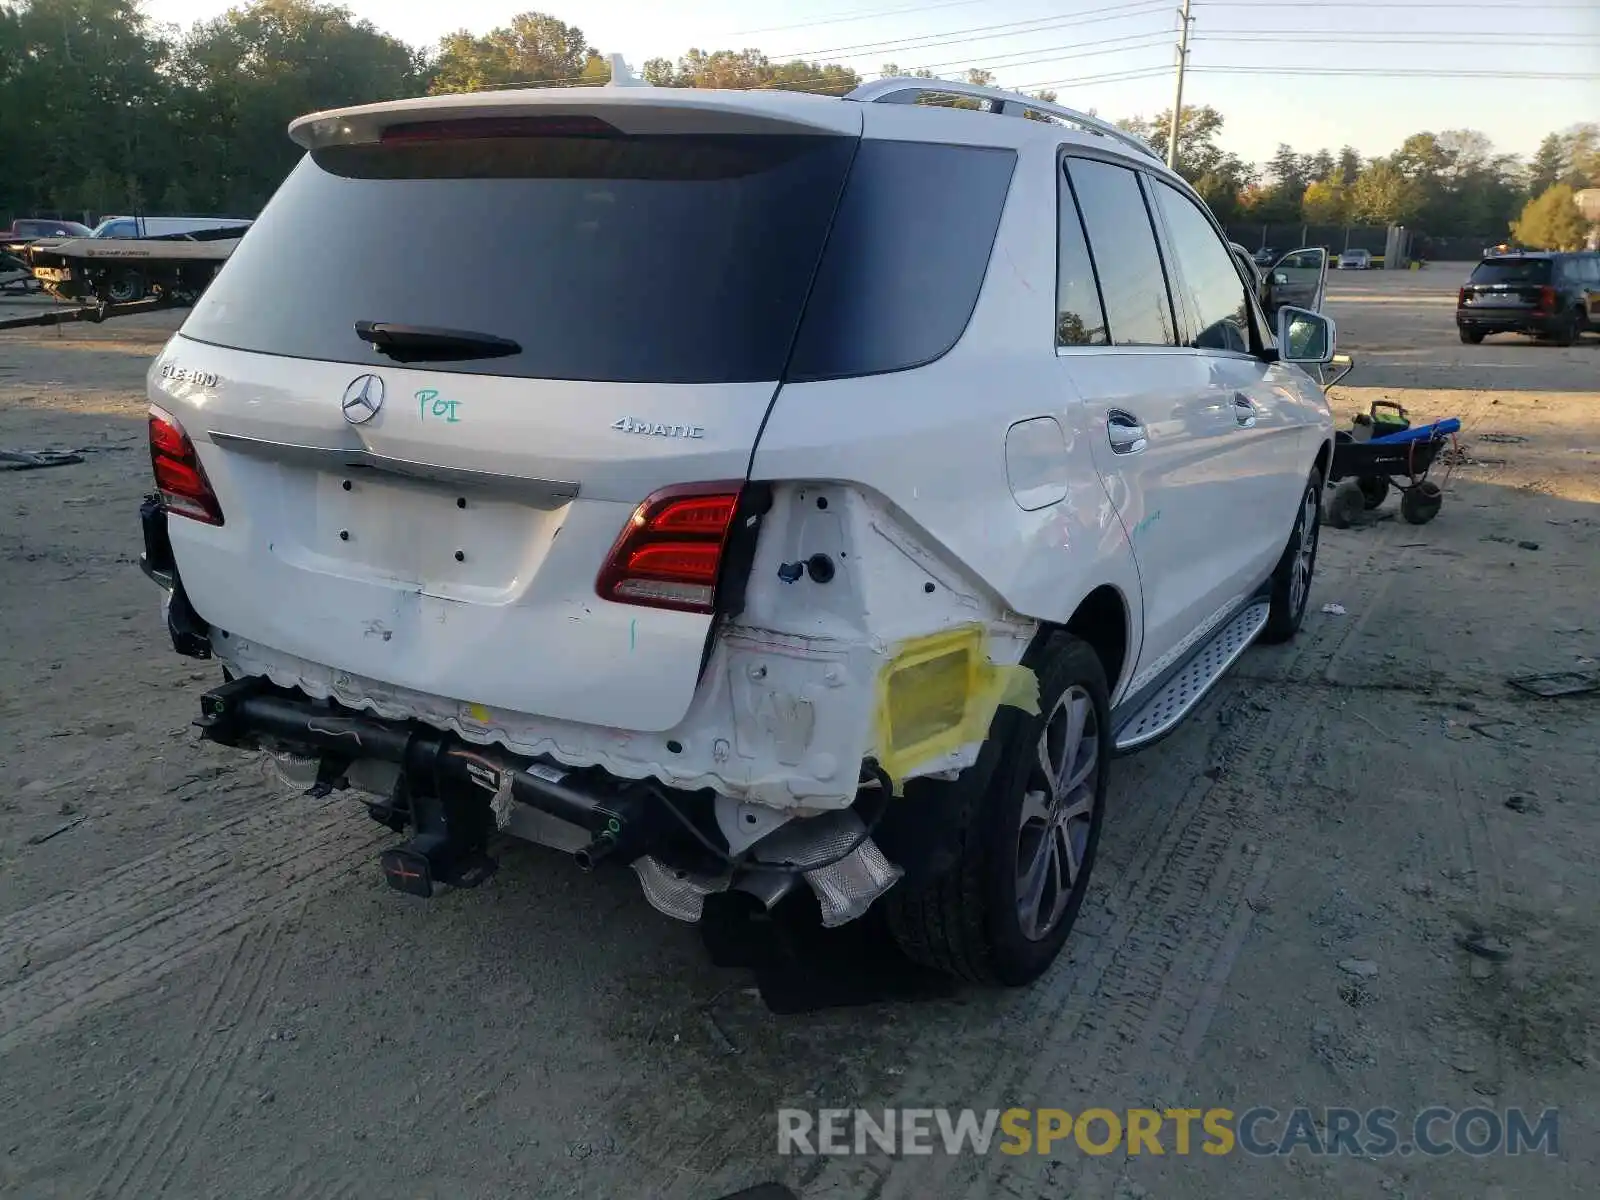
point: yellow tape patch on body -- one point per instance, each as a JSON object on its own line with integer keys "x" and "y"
{"x": 937, "y": 693}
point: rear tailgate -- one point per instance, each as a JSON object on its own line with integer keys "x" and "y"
{"x": 1510, "y": 285}
{"x": 650, "y": 272}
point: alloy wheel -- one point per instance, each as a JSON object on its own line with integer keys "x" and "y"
{"x": 1304, "y": 552}
{"x": 1057, "y": 811}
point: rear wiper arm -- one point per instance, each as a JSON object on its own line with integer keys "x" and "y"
{"x": 427, "y": 343}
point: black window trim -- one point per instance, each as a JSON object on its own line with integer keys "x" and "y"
{"x": 1258, "y": 340}
{"x": 1070, "y": 196}
{"x": 1066, "y": 152}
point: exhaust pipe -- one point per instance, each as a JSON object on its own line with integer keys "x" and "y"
{"x": 596, "y": 852}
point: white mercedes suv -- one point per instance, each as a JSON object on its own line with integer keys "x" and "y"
{"x": 770, "y": 493}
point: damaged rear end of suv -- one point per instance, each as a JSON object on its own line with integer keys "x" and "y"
{"x": 473, "y": 531}
{"x": 699, "y": 506}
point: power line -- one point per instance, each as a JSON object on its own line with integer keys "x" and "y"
{"x": 846, "y": 18}
{"x": 1108, "y": 77}
{"x": 1398, "y": 73}
{"x": 1440, "y": 38}
{"x": 1050, "y": 55}
{"x": 1131, "y": 43}
{"x": 1413, "y": 4}
{"x": 1117, "y": 12}
{"x": 922, "y": 41}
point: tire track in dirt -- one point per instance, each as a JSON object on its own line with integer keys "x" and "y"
{"x": 1156, "y": 853}
{"x": 218, "y": 1060}
{"x": 237, "y": 840}
{"x": 1135, "y": 996}
{"x": 129, "y": 1136}
{"x": 146, "y": 920}
{"x": 1123, "y": 1021}
{"x": 158, "y": 1137}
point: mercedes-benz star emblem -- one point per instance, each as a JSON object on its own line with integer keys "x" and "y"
{"x": 362, "y": 399}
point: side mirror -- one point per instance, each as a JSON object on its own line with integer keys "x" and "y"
{"x": 1280, "y": 277}
{"x": 1305, "y": 336}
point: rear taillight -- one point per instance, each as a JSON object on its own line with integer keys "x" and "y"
{"x": 180, "y": 478}
{"x": 1547, "y": 299}
{"x": 670, "y": 552}
{"x": 1463, "y": 295}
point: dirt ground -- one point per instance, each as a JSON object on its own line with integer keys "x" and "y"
{"x": 206, "y": 990}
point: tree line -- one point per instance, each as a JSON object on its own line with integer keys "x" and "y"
{"x": 102, "y": 110}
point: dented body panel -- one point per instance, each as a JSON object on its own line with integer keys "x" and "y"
{"x": 790, "y": 700}
{"x": 477, "y": 583}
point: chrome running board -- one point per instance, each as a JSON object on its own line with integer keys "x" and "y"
{"x": 1183, "y": 691}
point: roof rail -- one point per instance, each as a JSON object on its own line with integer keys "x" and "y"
{"x": 905, "y": 89}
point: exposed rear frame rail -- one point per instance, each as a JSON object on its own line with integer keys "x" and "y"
{"x": 905, "y": 89}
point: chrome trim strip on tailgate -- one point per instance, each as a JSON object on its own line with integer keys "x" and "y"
{"x": 546, "y": 493}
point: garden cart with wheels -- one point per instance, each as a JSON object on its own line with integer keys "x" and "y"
{"x": 1382, "y": 450}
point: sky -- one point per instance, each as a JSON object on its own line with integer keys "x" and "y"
{"x": 1387, "y": 69}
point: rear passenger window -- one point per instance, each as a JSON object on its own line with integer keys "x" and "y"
{"x": 1214, "y": 297}
{"x": 1080, "y": 321}
{"x": 1132, "y": 284}
{"x": 905, "y": 259}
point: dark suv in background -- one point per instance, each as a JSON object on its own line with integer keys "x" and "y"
{"x": 1545, "y": 294}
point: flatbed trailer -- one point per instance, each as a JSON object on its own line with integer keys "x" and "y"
{"x": 119, "y": 271}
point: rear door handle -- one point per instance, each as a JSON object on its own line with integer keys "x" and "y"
{"x": 1244, "y": 412}
{"x": 1126, "y": 434}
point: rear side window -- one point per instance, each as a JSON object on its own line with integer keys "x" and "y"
{"x": 1132, "y": 283}
{"x": 1214, "y": 296}
{"x": 906, "y": 259}
{"x": 1080, "y": 321}
{"x": 1512, "y": 270}
{"x": 665, "y": 259}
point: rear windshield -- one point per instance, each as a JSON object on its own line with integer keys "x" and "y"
{"x": 667, "y": 259}
{"x": 674, "y": 259}
{"x": 1512, "y": 270}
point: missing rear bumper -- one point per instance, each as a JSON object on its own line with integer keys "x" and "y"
{"x": 452, "y": 796}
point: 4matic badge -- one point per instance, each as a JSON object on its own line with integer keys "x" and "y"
{"x": 657, "y": 428}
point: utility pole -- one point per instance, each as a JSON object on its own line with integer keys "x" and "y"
{"x": 1177, "y": 103}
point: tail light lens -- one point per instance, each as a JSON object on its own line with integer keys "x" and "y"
{"x": 1462, "y": 295}
{"x": 1547, "y": 299}
{"x": 180, "y": 478}
{"x": 670, "y": 552}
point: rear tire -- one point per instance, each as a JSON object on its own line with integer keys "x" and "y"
{"x": 1471, "y": 336}
{"x": 126, "y": 288}
{"x": 1291, "y": 580}
{"x": 1026, "y": 842}
{"x": 1567, "y": 333}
